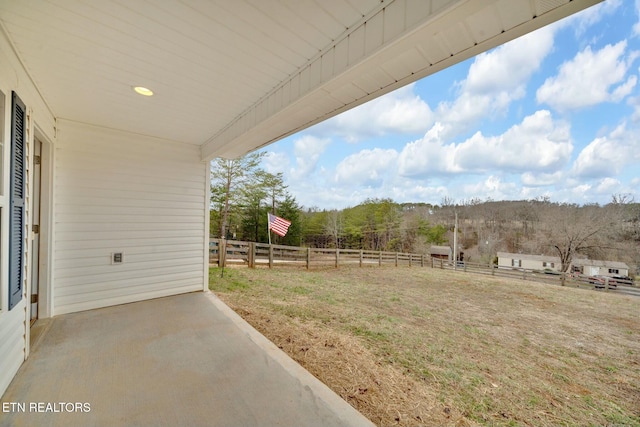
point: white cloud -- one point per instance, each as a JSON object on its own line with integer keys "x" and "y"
{"x": 509, "y": 66}
{"x": 608, "y": 155}
{"x": 580, "y": 192}
{"x": 536, "y": 179}
{"x": 585, "y": 19}
{"x": 492, "y": 187}
{"x": 634, "y": 101}
{"x": 426, "y": 156}
{"x": 590, "y": 78}
{"x": 410, "y": 190}
{"x": 526, "y": 157}
{"x": 537, "y": 144}
{"x": 307, "y": 150}
{"x": 636, "y": 27}
{"x": 495, "y": 80}
{"x": 624, "y": 89}
{"x": 608, "y": 186}
{"x": 275, "y": 162}
{"x": 367, "y": 167}
{"x": 398, "y": 112}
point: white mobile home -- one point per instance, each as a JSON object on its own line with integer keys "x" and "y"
{"x": 592, "y": 267}
{"x": 104, "y": 192}
{"x": 529, "y": 262}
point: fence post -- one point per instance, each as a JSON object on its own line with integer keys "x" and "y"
{"x": 379, "y": 258}
{"x": 410, "y": 259}
{"x": 441, "y": 266}
{"x": 217, "y": 248}
{"x": 606, "y": 283}
{"x": 493, "y": 269}
{"x": 421, "y": 260}
{"x": 337, "y": 257}
{"x": 252, "y": 255}
{"x": 270, "y": 256}
{"x": 396, "y": 259}
{"x": 308, "y": 257}
{"x": 563, "y": 277}
{"x": 524, "y": 274}
{"x": 222, "y": 251}
{"x": 361, "y": 256}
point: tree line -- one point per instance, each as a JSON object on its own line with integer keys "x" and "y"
{"x": 243, "y": 193}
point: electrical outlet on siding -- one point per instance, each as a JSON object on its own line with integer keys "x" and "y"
{"x": 117, "y": 257}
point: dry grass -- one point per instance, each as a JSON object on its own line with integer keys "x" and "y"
{"x": 418, "y": 346}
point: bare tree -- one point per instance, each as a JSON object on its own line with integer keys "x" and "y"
{"x": 622, "y": 199}
{"x": 229, "y": 177}
{"x": 334, "y": 226}
{"x": 572, "y": 230}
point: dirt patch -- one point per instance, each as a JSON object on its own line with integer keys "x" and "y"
{"x": 382, "y": 393}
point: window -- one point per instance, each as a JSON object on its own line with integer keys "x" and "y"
{"x": 614, "y": 271}
{"x": 548, "y": 264}
{"x": 516, "y": 263}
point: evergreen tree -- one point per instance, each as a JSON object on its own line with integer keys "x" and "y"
{"x": 289, "y": 210}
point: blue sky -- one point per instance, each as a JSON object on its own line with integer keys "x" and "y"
{"x": 555, "y": 113}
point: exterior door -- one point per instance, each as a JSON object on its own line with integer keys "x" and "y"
{"x": 35, "y": 262}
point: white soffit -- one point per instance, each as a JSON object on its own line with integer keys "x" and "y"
{"x": 404, "y": 42}
{"x": 234, "y": 75}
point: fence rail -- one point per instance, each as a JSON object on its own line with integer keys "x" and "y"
{"x": 233, "y": 252}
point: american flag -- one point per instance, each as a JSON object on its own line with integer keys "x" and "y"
{"x": 278, "y": 225}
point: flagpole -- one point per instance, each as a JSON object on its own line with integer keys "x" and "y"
{"x": 268, "y": 229}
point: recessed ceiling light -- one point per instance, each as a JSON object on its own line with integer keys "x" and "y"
{"x": 143, "y": 91}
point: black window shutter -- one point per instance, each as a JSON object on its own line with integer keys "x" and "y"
{"x": 16, "y": 216}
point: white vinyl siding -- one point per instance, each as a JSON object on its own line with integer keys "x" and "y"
{"x": 120, "y": 192}
{"x": 527, "y": 261}
{"x": 12, "y": 343}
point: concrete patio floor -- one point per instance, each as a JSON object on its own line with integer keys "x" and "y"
{"x": 185, "y": 360}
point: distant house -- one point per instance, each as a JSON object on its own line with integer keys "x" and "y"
{"x": 592, "y": 267}
{"x": 528, "y": 262}
{"x": 441, "y": 252}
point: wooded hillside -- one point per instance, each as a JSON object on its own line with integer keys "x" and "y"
{"x": 243, "y": 195}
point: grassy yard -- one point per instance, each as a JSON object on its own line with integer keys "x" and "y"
{"x": 420, "y": 346}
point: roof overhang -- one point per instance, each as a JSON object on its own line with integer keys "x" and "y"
{"x": 233, "y": 76}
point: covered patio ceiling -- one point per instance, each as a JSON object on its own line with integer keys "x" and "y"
{"x": 232, "y": 76}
